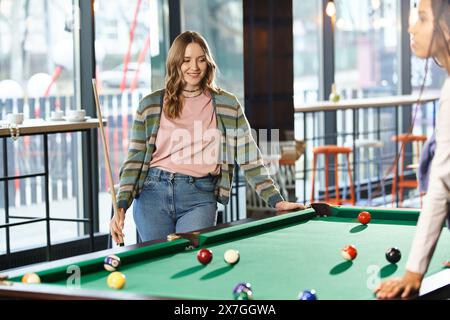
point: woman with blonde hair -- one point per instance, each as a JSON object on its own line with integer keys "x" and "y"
{"x": 185, "y": 141}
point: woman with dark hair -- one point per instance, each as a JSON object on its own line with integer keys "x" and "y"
{"x": 430, "y": 37}
{"x": 185, "y": 142}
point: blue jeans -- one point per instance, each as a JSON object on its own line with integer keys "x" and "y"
{"x": 173, "y": 202}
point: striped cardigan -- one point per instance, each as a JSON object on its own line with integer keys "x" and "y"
{"x": 237, "y": 146}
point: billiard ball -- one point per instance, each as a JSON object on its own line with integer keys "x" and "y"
{"x": 307, "y": 295}
{"x": 244, "y": 294}
{"x": 243, "y": 291}
{"x": 349, "y": 252}
{"x": 111, "y": 263}
{"x": 204, "y": 256}
{"x": 364, "y": 217}
{"x": 31, "y": 278}
{"x": 393, "y": 255}
{"x": 231, "y": 256}
{"x": 116, "y": 280}
{"x": 242, "y": 285}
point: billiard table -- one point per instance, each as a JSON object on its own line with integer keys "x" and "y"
{"x": 280, "y": 256}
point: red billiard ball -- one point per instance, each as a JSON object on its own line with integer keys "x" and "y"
{"x": 349, "y": 252}
{"x": 364, "y": 217}
{"x": 204, "y": 256}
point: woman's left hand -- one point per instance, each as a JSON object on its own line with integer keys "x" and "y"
{"x": 285, "y": 206}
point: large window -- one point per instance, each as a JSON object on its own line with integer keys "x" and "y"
{"x": 37, "y": 77}
{"x": 306, "y": 32}
{"x": 131, "y": 44}
{"x": 366, "y": 48}
{"x": 125, "y": 67}
{"x": 221, "y": 23}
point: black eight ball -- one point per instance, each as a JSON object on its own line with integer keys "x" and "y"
{"x": 393, "y": 255}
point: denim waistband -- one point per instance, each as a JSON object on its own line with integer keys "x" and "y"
{"x": 166, "y": 175}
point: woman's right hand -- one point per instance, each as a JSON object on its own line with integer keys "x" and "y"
{"x": 403, "y": 288}
{"x": 116, "y": 226}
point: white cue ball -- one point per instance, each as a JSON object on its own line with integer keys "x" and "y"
{"x": 231, "y": 256}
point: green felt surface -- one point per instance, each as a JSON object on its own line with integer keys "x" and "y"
{"x": 281, "y": 257}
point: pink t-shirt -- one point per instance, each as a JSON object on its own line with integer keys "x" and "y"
{"x": 189, "y": 144}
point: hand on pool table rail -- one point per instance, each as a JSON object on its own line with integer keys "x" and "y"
{"x": 322, "y": 209}
{"x": 117, "y": 224}
{"x": 286, "y": 206}
{"x": 403, "y": 288}
{"x": 191, "y": 236}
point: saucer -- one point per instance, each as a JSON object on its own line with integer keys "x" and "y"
{"x": 56, "y": 119}
{"x": 77, "y": 119}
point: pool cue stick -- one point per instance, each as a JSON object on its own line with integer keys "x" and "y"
{"x": 105, "y": 151}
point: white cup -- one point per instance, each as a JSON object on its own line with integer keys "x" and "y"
{"x": 15, "y": 118}
{"x": 57, "y": 115}
{"x": 76, "y": 114}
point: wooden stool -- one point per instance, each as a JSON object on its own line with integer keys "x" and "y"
{"x": 403, "y": 183}
{"x": 328, "y": 150}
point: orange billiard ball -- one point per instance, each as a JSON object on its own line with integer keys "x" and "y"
{"x": 349, "y": 252}
{"x": 116, "y": 280}
{"x": 31, "y": 278}
{"x": 364, "y": 217}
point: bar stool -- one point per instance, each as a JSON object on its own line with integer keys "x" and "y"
{"x": 403, "y": 183}
{"x": 334, "y": 150}
{"x": 365, "y": 145}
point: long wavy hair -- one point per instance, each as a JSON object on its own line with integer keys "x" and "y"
{"x": 441, "y": 13}
{"x": 173, "y": 99}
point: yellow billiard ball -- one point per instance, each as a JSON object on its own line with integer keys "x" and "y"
{"x": 31, "y": 278}
{"x": 116, "y": 280}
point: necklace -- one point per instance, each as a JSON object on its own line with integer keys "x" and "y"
{"x": 193, "y": 96}
{"x": 192, "y": 90}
